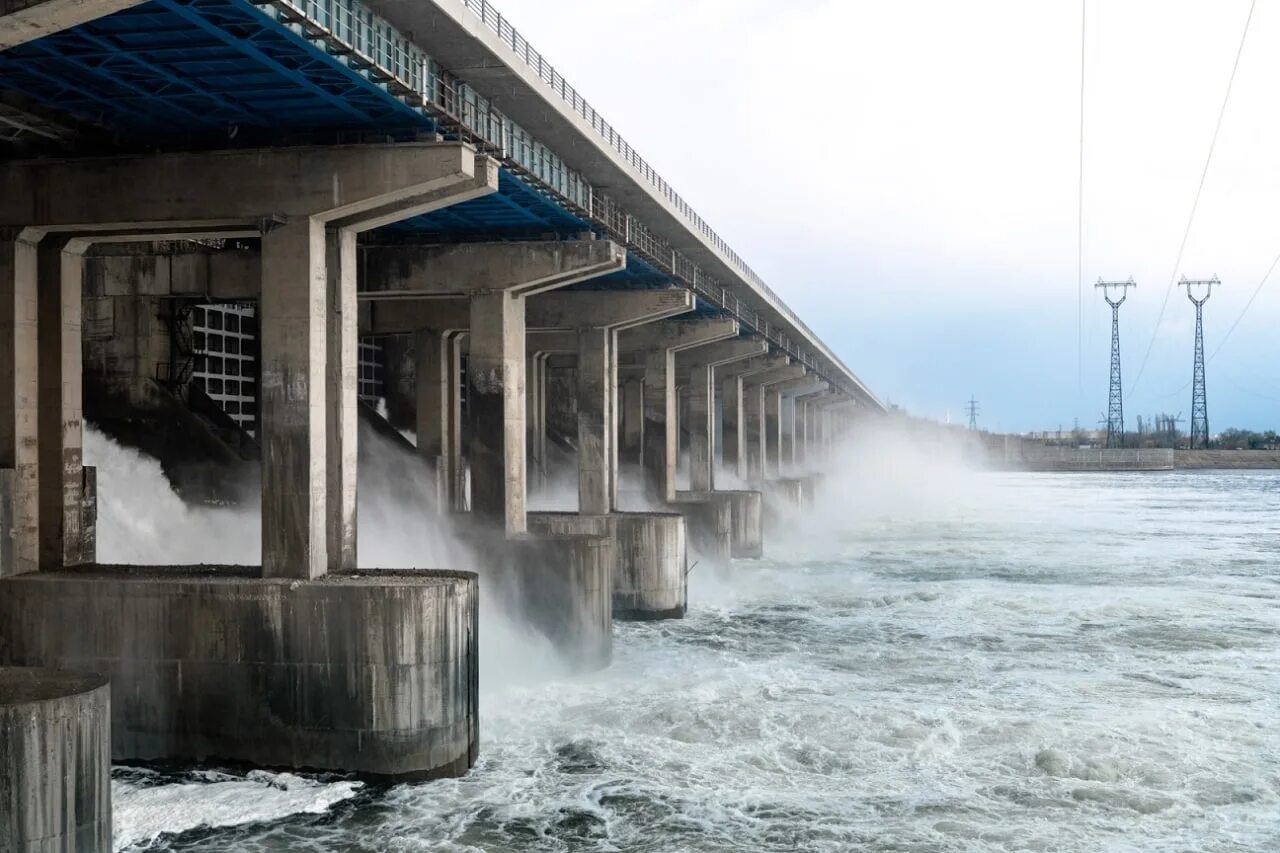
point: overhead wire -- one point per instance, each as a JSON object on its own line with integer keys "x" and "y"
{"x": 1080, "y": 219}
{"x": 1239, "y": 317}
{"x": 1246, "y": 308}
{"x": 1196, "y": 201}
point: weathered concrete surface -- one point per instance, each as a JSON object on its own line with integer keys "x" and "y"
{"x": 19, "y": 394}
{"x": 734, "y": 524}
{"x": 22, "y": 21}
{"x": 496, "y": 409}
{"x": 55, "y": 761}
{"x": 746, "y": 509}
{"x": 374, "y": 673}
{"x": 710, "y": 524}
{"x": 558, "y": 577}
{"x": 650, "y": 577}
{"x": 790, "y": 493}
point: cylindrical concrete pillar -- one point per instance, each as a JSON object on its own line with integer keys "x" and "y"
{"x": 55, "y": 761}
{"x": 649, "y": 578}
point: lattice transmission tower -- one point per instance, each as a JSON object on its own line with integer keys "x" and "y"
{"x": 1199, "y": 403}
{"x": 972, "y": 409}
{"x": 1115, "y": 397}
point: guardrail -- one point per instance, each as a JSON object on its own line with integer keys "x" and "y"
{"x": 367, "y": 43}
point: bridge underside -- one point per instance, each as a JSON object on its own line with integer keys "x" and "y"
{"x": 296, "y": 176}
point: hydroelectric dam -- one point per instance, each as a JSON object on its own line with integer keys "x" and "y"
{"x": 228, "y": 229}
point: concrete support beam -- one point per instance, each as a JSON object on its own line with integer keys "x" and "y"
{"x": 61, "y": 419}
{"x": 536, "y": 411}
{"x": 772, "y": 458}
{"x": 597, "y": 389}
{"x": 760, "y": 448}
{"x": 613, "y": 309}
{"x": 677, "y": 335}
{"x": 545, "y": 311}
{"x": 631, "y": 417}
{"x": 595, "y": 318}
{"x": 661, "y": 342}
{"x": 435, "y": 389}
{"x": 735, "y": 421}
{"x": 733, "y": 426}
{"x": 19, "y": 394}
{"x": 794, "y": 433}
{"x": 526, "y": 269}
{"x": 371, "y": 185}
{"x": 496, "y": 367}
{"x": 311, "y": 202}
{"x": 495, "y": 409}
{"x": 702, "y": 439}
{"x": 720, "y": 354}
{"x": 22, "y": 21}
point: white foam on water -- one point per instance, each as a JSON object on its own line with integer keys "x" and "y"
{"x": 141, "y": 814}
{"x": 937, "y": 660}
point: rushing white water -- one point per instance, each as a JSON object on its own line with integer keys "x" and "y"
{"x": 935, "y": 661}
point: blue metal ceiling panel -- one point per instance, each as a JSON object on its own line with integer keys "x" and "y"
{"x": 193, "y": 66}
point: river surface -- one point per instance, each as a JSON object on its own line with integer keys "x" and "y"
{"x": 991, "y": 662}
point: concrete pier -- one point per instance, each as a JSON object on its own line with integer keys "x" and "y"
{"x": 374, "y": 673}
{"x": 559, "y": 577}
{"x": 650, "y": 576}
{"x": 725, "y": 522}
{"x": 55, "y": 761}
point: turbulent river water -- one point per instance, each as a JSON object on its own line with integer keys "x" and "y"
{"x": 972, "y": 662}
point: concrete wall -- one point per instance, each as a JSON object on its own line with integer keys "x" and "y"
{"x": 373, "y": 673}
{"x": 1226, "y": 459}
{"x": 1032, "y": 457}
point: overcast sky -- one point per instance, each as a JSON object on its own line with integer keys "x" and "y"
{"x": 905, "y": 174}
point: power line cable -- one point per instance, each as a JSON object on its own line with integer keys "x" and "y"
{"x": 1244, "y": 311}
{"x": 1247, "y": 305}
{"x": 1196, "y": 201}
{"x": 1080, "y": 220}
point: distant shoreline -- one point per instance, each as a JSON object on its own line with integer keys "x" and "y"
{"x": 1225, "y": 460}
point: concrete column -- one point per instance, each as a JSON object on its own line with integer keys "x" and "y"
{"x": 342, "y": 401}
{"x": 631, "y": 413}
{"x": 540, "y": 413}
{"x": 754, "y": 422}
{"x": 531, "y": 420}
{"x": 433, "y": 386}
{"x": 495, "y": 408}
{"x": 61, "y": 420}
{"x": 659, "y": 439}
{"x": 19, "y": 392}
{"x": 791, "y": 437}
{"x": 292, "y": 401}
{"x": 701, "y": 430}
{"x": 787, "y": 438}
{"x": 614, "y": 415}
{"x": 733, "y": 418}
{"x": 772, "y": 463}
{"x": 595, "y": 438}
{"x": 455, "y": 440}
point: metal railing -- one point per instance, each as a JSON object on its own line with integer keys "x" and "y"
{"x": 353, "y": 34}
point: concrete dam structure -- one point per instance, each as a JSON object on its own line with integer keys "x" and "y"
{"x": 227, "y": 230}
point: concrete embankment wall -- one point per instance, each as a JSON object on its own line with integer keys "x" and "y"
{"x": 1226, "y": 459}
{"x": 1033, "y": 458}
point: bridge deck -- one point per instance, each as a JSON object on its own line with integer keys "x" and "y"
{"x": 222, "y": 72}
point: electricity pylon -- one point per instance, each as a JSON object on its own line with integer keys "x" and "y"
{"x": 1115, "y": 396}
{"x": 1199, "y": 404}
{"x": 972, "y": 408}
